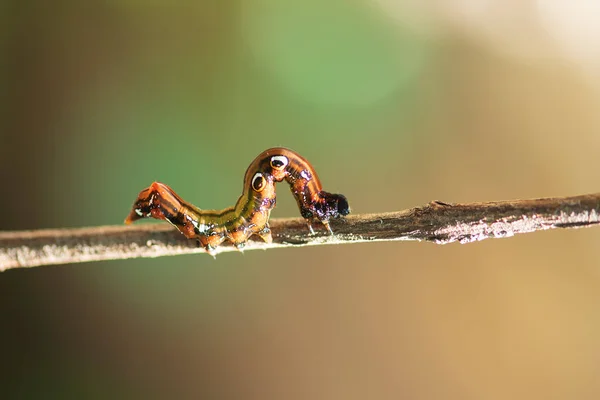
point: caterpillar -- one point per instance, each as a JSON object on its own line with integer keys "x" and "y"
{"x": 250, "y": 215}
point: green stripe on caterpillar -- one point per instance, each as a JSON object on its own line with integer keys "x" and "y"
{"x": 250, "y": 215}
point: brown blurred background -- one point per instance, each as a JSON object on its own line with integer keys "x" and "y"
{"x": 395, "y": 103}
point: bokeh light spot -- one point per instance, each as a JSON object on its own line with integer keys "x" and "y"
{"x": 331, "y": 54}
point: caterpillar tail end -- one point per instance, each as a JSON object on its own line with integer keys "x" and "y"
{"x": 132, "y": 217}
{"x": 143, "y": 204}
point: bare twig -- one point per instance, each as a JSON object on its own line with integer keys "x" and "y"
{"x": 436, "y": 222}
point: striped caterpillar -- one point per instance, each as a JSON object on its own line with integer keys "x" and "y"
{"x": 250, "y": 215}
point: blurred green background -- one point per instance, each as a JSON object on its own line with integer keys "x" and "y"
{"x": 394, "y": 103}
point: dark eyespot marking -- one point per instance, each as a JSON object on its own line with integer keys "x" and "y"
{"x": 258, "y": 182}
{"x": 279, "y": 162}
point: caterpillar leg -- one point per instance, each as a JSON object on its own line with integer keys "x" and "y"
{"x": 310, "y": 227}
{"x": 238, "y": 237}
{"x": 239, "y": 240}
{"x": 326, "y": 225}
{"x": 265, "y": 234}
{"x": 210, "y": 243}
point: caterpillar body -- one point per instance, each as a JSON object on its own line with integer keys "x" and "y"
{"x": 250, "y": 215}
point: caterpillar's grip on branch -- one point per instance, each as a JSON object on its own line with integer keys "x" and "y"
{"x": 250, "y": 215}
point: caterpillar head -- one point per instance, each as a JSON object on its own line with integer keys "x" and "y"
{"x": 335, "y": 205}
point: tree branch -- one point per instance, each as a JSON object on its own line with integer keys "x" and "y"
{"x": 436, "y": 222}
